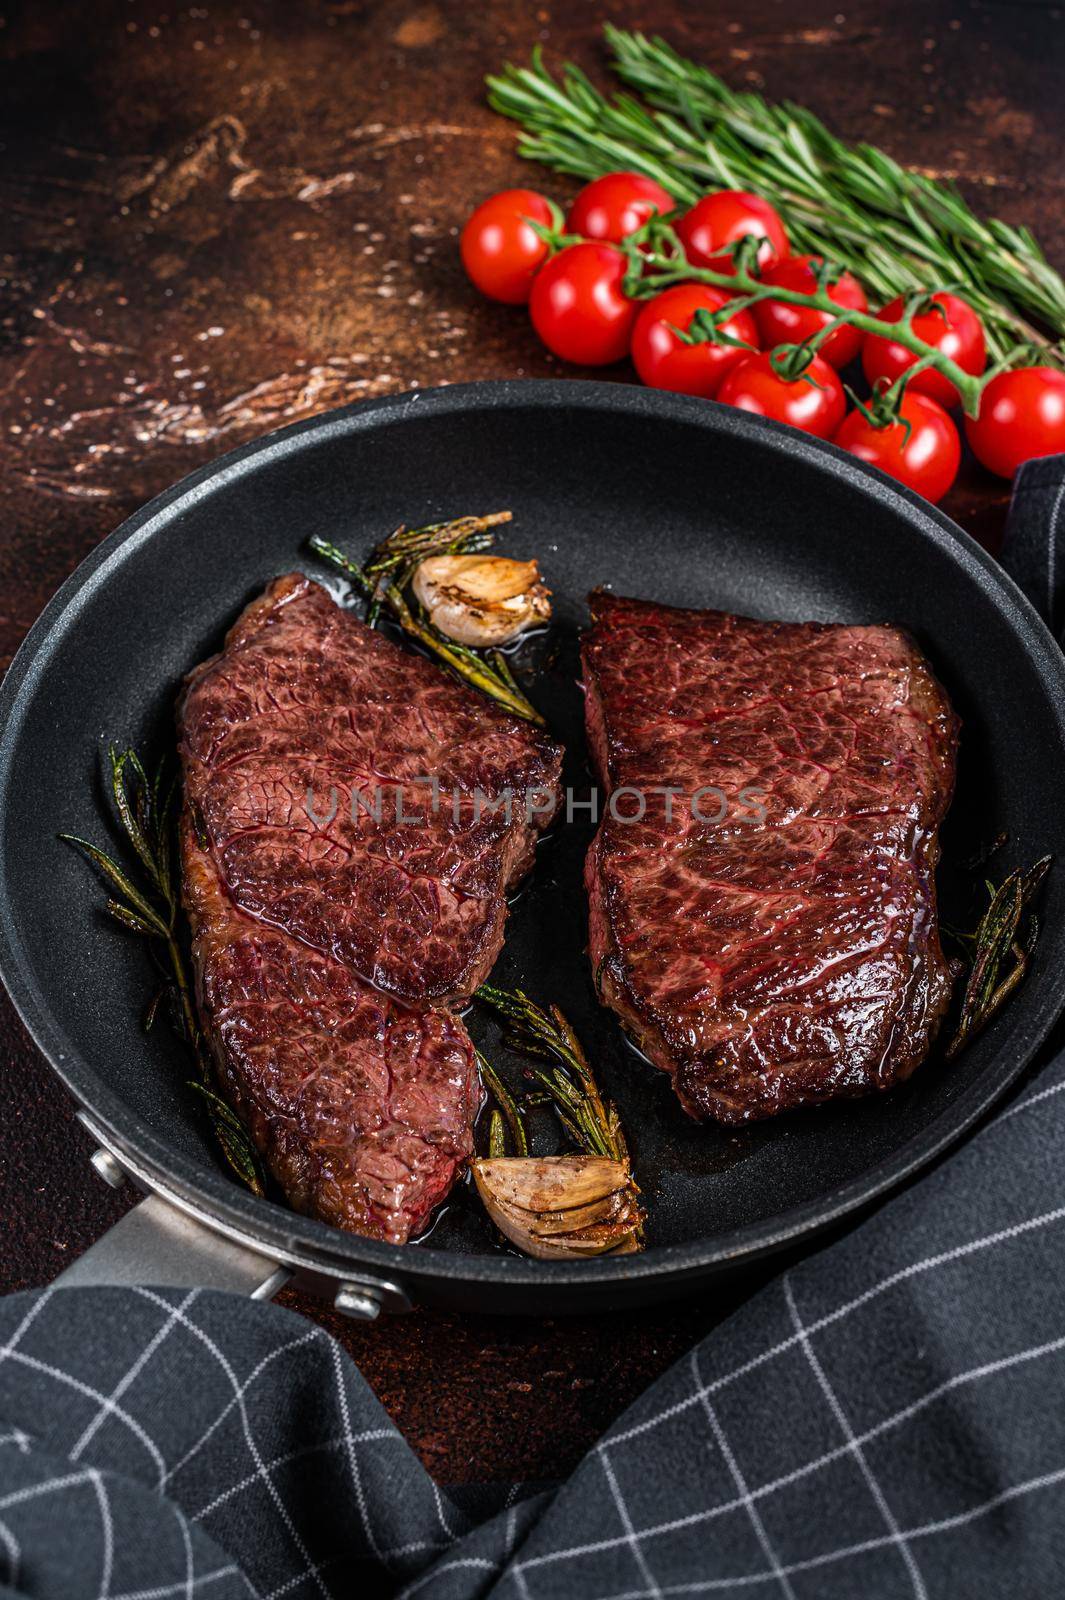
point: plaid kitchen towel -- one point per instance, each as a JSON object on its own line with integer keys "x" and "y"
{"x": 886, "y": 1420}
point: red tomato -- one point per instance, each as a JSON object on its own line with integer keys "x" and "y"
{"x": 955, "y": 329}
{"x": 665, "y": 362}
{"x": 720, "y": 219}
{"x": 1022, "y": 415}
{"x": 617, "y": 204}
{"x": 578, "y": 307}
{"x": 815, "y": 402}
{"x": 780, "y": 323}
{"x": 926, "y": 460}
{"x": 500, "y": 252}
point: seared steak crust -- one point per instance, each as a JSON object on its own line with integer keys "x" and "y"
{"x": 345, "y": 886}
{"x": 767, "y": 961}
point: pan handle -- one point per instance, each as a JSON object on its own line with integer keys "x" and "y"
{"x": 165, "y": 1241}
{"x": 157, "y": 1244}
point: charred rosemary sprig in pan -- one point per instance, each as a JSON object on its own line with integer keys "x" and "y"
{"x": 505, "y": 1115}
{"x": 1001, "y": 950}
{"x": 556, "y": 1207}
{"x": 395, "y": 558}
{"x": 592, "y": 1122}
{"x": 146, "y": 812}
{"x": 384, "y": 579}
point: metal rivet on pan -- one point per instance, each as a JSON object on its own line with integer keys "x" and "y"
{"x": 356, "y": 1300}
{"x": 108, "y": 1168}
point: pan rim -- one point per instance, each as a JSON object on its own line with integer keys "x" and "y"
{"x": 216, "y": 1195}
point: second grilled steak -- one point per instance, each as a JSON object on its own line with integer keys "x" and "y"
{"x": 353, "y": 820}
{"x": 779, "y": 946}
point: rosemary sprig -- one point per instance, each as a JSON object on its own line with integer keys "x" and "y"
{"x": 484, "y": 673}
{"x": 497, "y": 1135}
{"x": 146, "y": 813}
{"x": 561, "y": 1068}
{"x": 394, "y": 560}
{"x": 897, "y": 229}
{"x": 1000, "y": 952}
{"x": 506, "y": 1117}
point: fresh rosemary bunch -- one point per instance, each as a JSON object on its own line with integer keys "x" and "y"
{"x": 1000, "y": 951}
{"x": 384, "y": 580}
{"x": 896, "y": 229}
{"x": 561, "y": 1069}
{"x": 146, "y": 813}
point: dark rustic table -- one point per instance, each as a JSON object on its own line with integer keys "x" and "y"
{"x": 219, "y": 218}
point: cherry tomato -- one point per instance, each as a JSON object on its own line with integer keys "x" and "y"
{"x": 720, "y": 219}
{"x": 665, "y": 362}
{"x": 1022, "y": 415}
{"x": 578, "y": 307}
{"x": 780, "y": 323}
{"x": 926, "y": 458}
{"x": 616, "y": 204}
{"x": 815, "y": 402}
{"x": 954, "y": 329}
{"x": 500, "y": 252}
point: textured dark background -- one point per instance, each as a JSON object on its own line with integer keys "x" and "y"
{"x": 215, "y": 219}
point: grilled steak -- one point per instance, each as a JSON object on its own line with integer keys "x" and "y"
{"x": 346, "y": 848}
{"x": 788, "y": 952}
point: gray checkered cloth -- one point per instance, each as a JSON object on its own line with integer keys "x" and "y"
{"x": 884, "y": 1421}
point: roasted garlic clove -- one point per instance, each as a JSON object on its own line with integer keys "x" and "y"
{"x": 482, "y": 600}
{"x": 554, "y": 1207}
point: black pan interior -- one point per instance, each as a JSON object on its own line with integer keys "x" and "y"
{"x": 659, "y": 497}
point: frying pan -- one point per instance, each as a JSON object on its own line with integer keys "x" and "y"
{"x": 660, "y": 496}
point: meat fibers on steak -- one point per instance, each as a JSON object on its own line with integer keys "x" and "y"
{"x": 353, "y": 819}
{"x": 774, "y": 943}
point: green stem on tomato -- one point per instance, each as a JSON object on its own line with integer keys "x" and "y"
{"x": 653, "y": 269}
